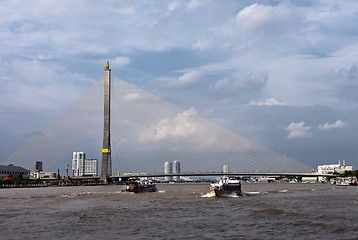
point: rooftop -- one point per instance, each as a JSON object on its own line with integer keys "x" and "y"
{"x": 12, "y": 167}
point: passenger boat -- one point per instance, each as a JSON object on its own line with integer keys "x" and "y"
{"x": 140, "y": 186}
{"x": 346, "y": 181}
{"x": 226, "y": 187}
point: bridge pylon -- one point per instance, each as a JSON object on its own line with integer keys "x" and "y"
{"x": 106, "y": 170}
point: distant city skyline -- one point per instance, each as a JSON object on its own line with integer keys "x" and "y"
{"x": 281, "y": 73}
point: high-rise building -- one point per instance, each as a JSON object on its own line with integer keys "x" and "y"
{"x": 176, "y": 169}
{"x": 78, "y": 164}
{"x": 168, "y": 169}
{"x": 38, "y": 166}
{"x": 66, "y": 176}
{"x": 82, "y": 166}
{"x": 225, "y": 170}
{"x": 91, "y": 167}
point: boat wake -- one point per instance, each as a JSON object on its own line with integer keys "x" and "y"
{"x": 212, "y": 194}
{"x": 252, "y": 193}
{"x": 79, "y": 194}
{"x": 83, "y": 194}
{"x": 283, "y": 191}
{"x": 233, "y": 195}
{"x": 208, "y": 195}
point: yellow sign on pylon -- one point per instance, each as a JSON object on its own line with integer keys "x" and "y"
{"x": 106, "y": 151}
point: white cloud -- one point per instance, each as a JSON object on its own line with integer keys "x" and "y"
{"x": 119, "y": 61}
{"x": 328, "y": 126}
{"x": 201, "y": 45}
{"x": 180, "y": 126}
{"x": 265, "y": 18}
{"x": 172, "y": 6}
{"x": 188, "y": 80}
{"x": 193, "y": 4}
{"x": 298, "y": 130}
{"x": 269, "y": 102}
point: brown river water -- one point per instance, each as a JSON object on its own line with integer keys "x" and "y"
{"x": 180, "y": 211}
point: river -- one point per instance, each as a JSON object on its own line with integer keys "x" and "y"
{"x": 180, "y": 211}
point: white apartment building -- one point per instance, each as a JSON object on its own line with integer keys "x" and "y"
{"x": 91, "y": 167}
{"x": 168, "y": 169}
{"x": 82, "y": 166}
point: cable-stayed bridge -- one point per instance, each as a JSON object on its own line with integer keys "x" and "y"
{"x": 145, "y": 131}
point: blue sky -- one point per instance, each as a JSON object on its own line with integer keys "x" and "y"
{"x": 281, "y": 73}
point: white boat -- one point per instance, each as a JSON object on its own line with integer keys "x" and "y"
{"x": 226, "y": 187}
{"x": 346, "y": 181}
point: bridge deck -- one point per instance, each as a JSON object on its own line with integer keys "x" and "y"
{"x": 228, "y": 174}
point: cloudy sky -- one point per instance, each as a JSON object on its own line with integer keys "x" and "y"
{"x": 281, "y": 73}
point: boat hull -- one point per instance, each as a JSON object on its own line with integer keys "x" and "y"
{"x": 221, "y": 193}
{"x": 228, "y": 188}
{"x": 137, "y": 187}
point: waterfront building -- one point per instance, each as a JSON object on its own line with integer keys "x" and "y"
{"x": 38, "y": 172}
{"x": 168, "y": 169}
{"x": 43, "y": 175}
{"x": 15, "y": 171}
{"x": 309, "y": 179}
{"x": 333, "y": 168}
{"x": 140, "y": 178}
{"x": 186, "y": 179}
{"x": 91, "y": 167}
{"x": 78, "y": 164}
{"x": 82, "y": 166}
{"x": 176, "y": 170}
